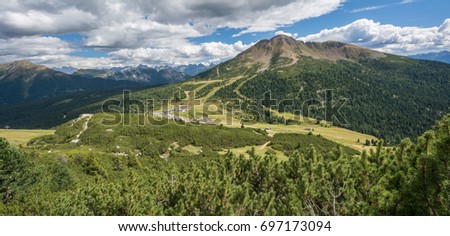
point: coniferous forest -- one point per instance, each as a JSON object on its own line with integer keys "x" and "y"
{"x": 411, "y": 178}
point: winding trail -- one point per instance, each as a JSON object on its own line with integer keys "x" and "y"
{"x": 264, "y": 145}
{"x": 83, "y": 128}
{"x": 214, "y": 90}
{"x": 238, "y": 88}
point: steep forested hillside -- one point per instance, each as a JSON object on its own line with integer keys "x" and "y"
{"x": 391, "y": 98}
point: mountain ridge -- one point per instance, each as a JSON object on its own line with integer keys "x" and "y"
{"x": 24, "y": 81}
{"x": 141, "y": 74}
{"x": 269, "y": 52}
{"x": 442, "y": 56}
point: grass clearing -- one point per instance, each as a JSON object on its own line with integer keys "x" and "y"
{"x": 339, "y": 135}
{"x": 192, "y": 149}
{"x": 343, "y": 136}
{"x": 259, "y": 150}
{"x": 18, "y": 137}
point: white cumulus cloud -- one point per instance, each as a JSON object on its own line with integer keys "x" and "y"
{"x": 33, "y": 22}
{"x": 387, "y": 37}
{"x": 154, "y": 31}
{"x": 32, "y": 46}
{"x": 187, "y": 53}
{"x": 294, "y": 35}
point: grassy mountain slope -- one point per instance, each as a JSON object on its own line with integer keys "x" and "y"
{"x": 389, "y": 96}
{"x": 170, "y": 138}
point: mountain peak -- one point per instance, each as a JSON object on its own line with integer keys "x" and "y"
{"x": 23, "y": 65}
{"x": 282, "y": 51}
{"x": 23, "y": 62}
{"x": 277, "y": 41}
{"x": 142, "y": 67}
{"x": 281, "y": 38}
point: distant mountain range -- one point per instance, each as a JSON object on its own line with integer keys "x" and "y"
{"x": 190, "y": 70}
{"x": 24, "y": 81}
{"x": 193, "y": 69}
{"x": 159, "y": 75}
{"x": 443, "y": 56}
{"x": 65, "y": 69}
{"x": 141, "y": 74}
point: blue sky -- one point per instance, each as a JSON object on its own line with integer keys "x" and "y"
{"x": 418, "y": 13}
{"x": 91, "y": 33}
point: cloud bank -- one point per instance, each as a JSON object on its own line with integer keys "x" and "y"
{"x": 153, "y": 31}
